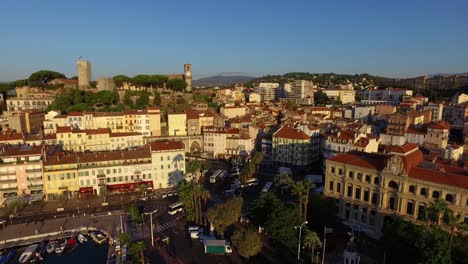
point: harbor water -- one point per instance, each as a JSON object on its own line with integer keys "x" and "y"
{"x": 87, "y": 253}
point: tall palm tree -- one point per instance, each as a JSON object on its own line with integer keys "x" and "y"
{"x": 437, "y": 209}
{"x": 203, "y": 197}
{"x": 311, "y": 240}
{"x": 453, "y": 221}
{"x": 308, "y": 185}
{"x": 139, "y": 247}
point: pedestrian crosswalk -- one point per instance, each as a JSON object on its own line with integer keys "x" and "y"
{"x": 165, "y": 226}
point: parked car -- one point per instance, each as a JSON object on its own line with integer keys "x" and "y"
{"x": 195, "y": 234}
{"x": 169, "y": 194}
{"x": 164, "y": 195}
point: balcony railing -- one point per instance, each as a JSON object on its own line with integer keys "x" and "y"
{"x": 8, "y": 180}
{"x": 33, "y": 170}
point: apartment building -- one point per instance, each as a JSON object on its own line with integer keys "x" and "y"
{"x": 227, "y": 142}
{"x": 26, "y": 121}
{"x": 397, "y": 125}
{"x": 20, "y": 172}
{"x": 193, "y": 123}
{"x": 101, "y": 139}
{"x": 379, "y": 96}
{"x": 266, "y": 91}
{"x": 438, "y": 134}
{"x": 436, "y": 110}
{"x": 344, "y": 95}
{"x": 168, "y": 162}
{"x": 371, "y": 187}
{"x": 177, "y": 124}
{"x": 29, "y": 98}
{"x": 291, "y": 146}
{"x": 157, "y": 165}
{"x": 147, "y": 121}
{"x": 299, "y": 89}
{"x": 232, "y": 111}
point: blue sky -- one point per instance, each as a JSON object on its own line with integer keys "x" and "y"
{"x": 389, "y": 38}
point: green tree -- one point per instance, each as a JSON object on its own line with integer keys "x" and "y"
{"x": 103, "y": 192}
{"x": 193, "y": 166}
{"x": 194, "y": 196}
{"x": 138, "y": 248}
{"x": 43, "y": 76}
{"x": 143, "y": 188}
{"x": 125, "y": 238}
{"x": 311, "y": 241}
{"x": 76, "y": 96}
{"x": 120, "y": 79}
{"x": 247, "y": 242}
{"x": 115, "y": 96}
{"x": 157, "y": 98}
{"x": 321, "y": 99}
{"x": 135, "y": 215}
{"x": 128, "y": 102}
{"x": 176, "y": 84}
{"x": 74, "y": 78}
{"x": 264, "y": 208}
{"x": 301, "y": 189}
{"x": 93, "y": 84}
{"x": 143, "y": 100}
{"x": 280, "y": 226}
{"x": 436, "y": 211}
{"x": 221, "y": 216}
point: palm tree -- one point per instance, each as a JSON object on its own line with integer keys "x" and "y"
{"x": 103, "y": 193}
{"x": 139, "y": 247}
{"x": 203, "y": 197}
{"x": 307, "y": 185}
{"x": 453, "y": 221}
{"x": 311, "y": 240}
{"x": 436, "y": 210}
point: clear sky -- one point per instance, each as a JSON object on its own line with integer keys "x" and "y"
{"x": 384, "y": 37}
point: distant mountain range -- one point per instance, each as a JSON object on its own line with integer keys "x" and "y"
{"x": 221, "y": 80}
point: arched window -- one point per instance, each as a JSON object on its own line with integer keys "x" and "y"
{"x": 435, "y": 194}
{"x": 376, "y": 180}
{"x": 393, "y": 185}
{"x": 412, "y": 189}
{"x": 368, "y": 178}
{"x": 449, "y": 197}
{"x": 423, "y": 191}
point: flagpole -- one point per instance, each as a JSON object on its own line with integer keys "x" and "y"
{"x": 324, "y": 243}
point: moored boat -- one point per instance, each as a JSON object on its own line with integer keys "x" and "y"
{"x": 40, "y": 252}
{"x": 98, "y": 238}
{"x": 7, "y": 255}
{"x": 51, "y": 246}
{"x": 28, "y": 253}
{"x": 60, "y": 247}
{"x": 82, "y": 238}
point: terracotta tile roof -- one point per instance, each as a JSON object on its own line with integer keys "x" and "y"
{"x": 362, "y": 142}
{"x": 64, "y": 129}
{"x": 166, "y": 145}
{"x": 192, "y": 114}
{"x": 75, "y": 114}
{"x": 439, "y": 177}
{"x": 60, "y": 159}
{"x": 402, "y": 149}
{"x": 439, "y": 125}
{"x": 124, "y": 134}
{"x": 413, "y": 130}
{"x": 11, "y": 136}
{"x": 140, "y": 153}
{"x": 95, "y": 131}
{"x": 49, "y": 136}
{"x": 375, "y": 161}
{"x": 291, "y": 133}
{"x": 21, "y": 150}
{"x": 347, "y": 134}
{"x": 412, "y": 160}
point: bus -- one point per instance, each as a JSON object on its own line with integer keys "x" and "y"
{"x": 267, "y": 187}
{"x": 215, "y": 176}
{"x": 175, "y": 208}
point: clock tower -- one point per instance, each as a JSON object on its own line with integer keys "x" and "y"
{"x": 188, "y": 76}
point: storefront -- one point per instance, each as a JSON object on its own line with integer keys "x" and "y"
{"x": 128, "y": 187}
{"x": 86, "y": 192}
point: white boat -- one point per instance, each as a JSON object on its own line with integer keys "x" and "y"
{"x": 28, "y": 253}
{"x": 98, "y": 238}
{"x": 60, "y": 247}
{"x": 82, "y": 238}
{"x": 51, "y": 246}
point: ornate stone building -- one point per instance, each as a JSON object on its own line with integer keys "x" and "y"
{"x": 370, "y": 187}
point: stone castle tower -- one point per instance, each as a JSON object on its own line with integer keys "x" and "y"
{"x": 188, "y": 76}
{"x": 84, "y": 73}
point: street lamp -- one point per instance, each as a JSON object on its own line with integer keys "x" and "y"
{"x": 299, "y": 246}
{"x": 151, "y": 225}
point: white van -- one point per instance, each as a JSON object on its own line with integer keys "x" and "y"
{"x": 250, "y": 182}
